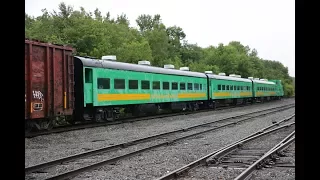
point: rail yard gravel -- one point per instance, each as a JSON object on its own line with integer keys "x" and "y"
{"x": 263, "y": 143}
{"x": 49, "y": 147}
{"x": 157, "y": 162}
{"x": 283, "y": 173}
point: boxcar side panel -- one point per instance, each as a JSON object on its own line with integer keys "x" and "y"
{"x": 48, "y": 80}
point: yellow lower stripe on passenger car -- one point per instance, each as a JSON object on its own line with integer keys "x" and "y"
{"x": 122, "y": 97}
{"x": 260, "y": 93}
{"x": 265, "y": 93}
{"x": 219, "y": 94}
{"x": 191, "y": 95}
{"x": 245, "y": 93}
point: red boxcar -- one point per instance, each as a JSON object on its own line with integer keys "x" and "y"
{"x": 49, "y": 83}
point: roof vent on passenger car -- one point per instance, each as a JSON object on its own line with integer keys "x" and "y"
{"x": 184, "y": 69}
{"x": 232, "y": 75}
{"x": 147, "y": 63}
{"x": 261, "y": 79}
{"x": 256, "y": 78}
{"x": 250, "y": 78}
{"x": 208, "y": 72}
{"x": 168, "y": 66}
{"x": 222, "y": 74}
{"x": 109, "y": 58}
{"x": 238, "y": 76}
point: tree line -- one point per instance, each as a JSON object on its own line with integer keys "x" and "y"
{"x": 96, "y": 35}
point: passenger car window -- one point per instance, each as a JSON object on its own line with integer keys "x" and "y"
{"x": 103, "y": 83}
{"x": 119, "y": 84}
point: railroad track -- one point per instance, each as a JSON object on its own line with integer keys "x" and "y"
{"x": 66, "y": 128}
{"x": 236, "y": 156}
{"x": 142, "y": 145}
{"x": 268, "y": 158}
{"x": 282, "y": 166}
{"x": 85, "y": 125}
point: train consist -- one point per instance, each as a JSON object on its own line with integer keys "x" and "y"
{"x": 58, "y": 84}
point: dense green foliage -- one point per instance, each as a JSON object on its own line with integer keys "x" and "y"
{"x": 93, "y": 34}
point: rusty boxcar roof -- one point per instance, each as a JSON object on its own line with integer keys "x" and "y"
{"x": 47, "y": 44}
{"x": 136, "y": 67}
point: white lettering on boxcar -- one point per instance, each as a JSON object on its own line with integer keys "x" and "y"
{"x": 37, "y": 95}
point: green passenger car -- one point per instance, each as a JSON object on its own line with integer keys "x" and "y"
{"x": 279, "y": 88}
{"x": 112, "y": 84}
{"x": 103, "y": 87}
{"x": 264, "y": 88}
{"x": 228, "y": 87}
{"x": 108, "y": 87}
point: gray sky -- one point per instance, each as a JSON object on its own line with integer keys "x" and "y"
{"x": 266, "y": 25}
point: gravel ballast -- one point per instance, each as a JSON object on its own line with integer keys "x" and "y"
{"x": 163, "y": 140}
{"x": 155, "y": 163}
{"x": 264, "y": 143}
{"x": 49, "y": 147}
{"x": 283, "y": 173}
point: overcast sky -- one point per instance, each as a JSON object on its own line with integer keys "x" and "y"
{"x": 266, "y": 25}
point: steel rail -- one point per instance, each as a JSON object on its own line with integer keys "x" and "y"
{"x": 280, "y": 146}
{"x": 131, "y": 143}
{"x": 112, "y": 160}
{"x": 67, "y": 128}
{"x": 213, "y": 157}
